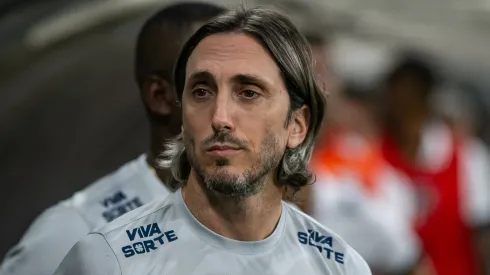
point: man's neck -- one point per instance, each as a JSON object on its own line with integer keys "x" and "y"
{"x": 408, "y": 135}
{"x": 249, "y": 219}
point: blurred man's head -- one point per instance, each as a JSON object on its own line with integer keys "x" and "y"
{"x": 359, "y": 65}
{"x": 358, "y": 109}
{"x": 251, "y": 104}
{"x": 321, "y": 61}
{"x": 408, "y": 88}
{"x": 158, "y": 46}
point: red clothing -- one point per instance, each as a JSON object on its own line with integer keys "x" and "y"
{"x": 445, "y": 236}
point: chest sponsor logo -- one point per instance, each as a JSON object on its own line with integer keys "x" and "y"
{"x": 145, "y": 239}
{"x": 118, "y": 204}
{"x": 324, "y": 245}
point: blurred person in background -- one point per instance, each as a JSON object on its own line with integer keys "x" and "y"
{"x": 56, "y": 230}
{"x": 449, "y": 172}
{"x": 328, "y": 81}
{"x": 356, "y": 192}
{"x": 322, "y": 61}
{"x": 361, "y": 196}
{"x": 251, "y": 111}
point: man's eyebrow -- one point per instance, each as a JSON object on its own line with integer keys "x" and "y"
{"x": 250, "y": 79}
{"x": 201, "y": 76}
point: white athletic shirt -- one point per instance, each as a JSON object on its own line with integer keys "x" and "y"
{"x": 57, "y": 229}
{"x": 164, "y": 238}
{"x": 378, "y": 224}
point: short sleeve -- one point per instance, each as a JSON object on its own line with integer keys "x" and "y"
{"x": 475, "y": 187}
{"x": 46, "y": 242}
{"x": 90, "y": 256}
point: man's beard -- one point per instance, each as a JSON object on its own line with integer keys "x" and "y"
{"x": 236, "y": 186}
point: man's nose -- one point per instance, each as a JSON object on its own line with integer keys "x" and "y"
{"x": 222, "y": 117}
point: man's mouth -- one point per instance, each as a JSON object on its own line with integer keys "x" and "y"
{"x": 222, "y": 149}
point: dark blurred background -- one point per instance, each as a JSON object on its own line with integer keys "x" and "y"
{"x": 70, "y": 111}
{"x": 69, "y": 107}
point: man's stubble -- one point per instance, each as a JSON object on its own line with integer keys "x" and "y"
{"x": 236, "y": 186}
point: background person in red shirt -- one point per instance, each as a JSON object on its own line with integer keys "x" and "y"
{"x": 356, "y": 192}
{"x": 451, "y": 173}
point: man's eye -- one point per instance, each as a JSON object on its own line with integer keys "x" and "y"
{"x": 200, "y": 93}
{"x": 249, "y": 94}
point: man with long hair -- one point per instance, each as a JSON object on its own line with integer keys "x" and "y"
{"x": 251, "y": 109}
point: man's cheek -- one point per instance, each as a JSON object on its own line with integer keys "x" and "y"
{"x": 192, "y": 115}
{"x": 194, "y": 130}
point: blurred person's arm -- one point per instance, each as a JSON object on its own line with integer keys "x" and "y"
{"x": 477, "y": 190}
{"x": 90, "y": 256}
{"x": 45, "y": 243}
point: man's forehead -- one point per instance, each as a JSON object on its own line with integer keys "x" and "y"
{"x": 230, "y": 47}
{"x": 207, "y": 76}
{"x": 231, "y": 54}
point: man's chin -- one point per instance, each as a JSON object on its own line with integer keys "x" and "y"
{"x": 225, "y": 169}
{"x": 233, "y": 190}
{"x": 223, "y": 174}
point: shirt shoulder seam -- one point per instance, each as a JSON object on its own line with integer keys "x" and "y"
{"x": 129, "y": 222}
{"x": 117, "y": 259}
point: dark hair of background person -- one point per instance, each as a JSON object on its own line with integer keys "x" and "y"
{"x": 410, "y": 82}
{"x": 161, "y": 39}
{"x": 419, "y": 68}
{"x": 292, "y": 54}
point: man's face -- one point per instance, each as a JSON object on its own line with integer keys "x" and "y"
{"x": 235, "y": 109}
{"x": 404, "y": 96}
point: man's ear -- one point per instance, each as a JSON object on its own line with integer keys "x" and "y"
{"x": 298, "y": 127}
{"x": 159, "y": 95}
